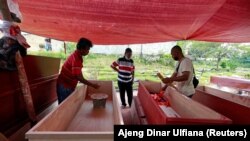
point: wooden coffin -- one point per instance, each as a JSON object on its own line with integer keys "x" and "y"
{"x": 137, "y": 113}
{"x": 42, "y": 74}
{"x": 230, "y": 104}
{"x": 182, "y": 110}
{"x": 76, "y": 119}
{"x": 233, "y": 82}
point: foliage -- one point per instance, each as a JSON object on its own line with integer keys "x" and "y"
{"x": 223, "y": 65}
{"x": 232, "y": 65}
{"x": 166, "y": 59}
{"x": 70, "y": 47}
{"x": 234, "y": 58}
{"x": 212, "y": 51}
{"x": 48, "y": 54}
{"x": 41, "y": 46}
{"x": 244, "y": 56}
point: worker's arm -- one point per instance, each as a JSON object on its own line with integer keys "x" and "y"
{"x": 174, "y": 75}
{"x": 164, "y": 87}
{"x": 84, "y": 81}
{"x": 167, "y": 81}
{"x": 183, "y": 77}
{"x": 133, "y": 76}
{"x": 114, "y": 66}
{"x": 133, "y": 73}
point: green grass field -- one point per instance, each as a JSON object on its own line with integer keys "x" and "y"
{"x": 97, "y": 66}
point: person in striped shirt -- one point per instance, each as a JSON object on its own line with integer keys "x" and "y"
{"x": 125, "y": 68}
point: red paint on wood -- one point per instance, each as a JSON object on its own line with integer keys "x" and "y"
{"x": 239, "y": 114}
{"x": 231, "y": 82}
{"x": 42, "y": 74}
{"x": 155, "y": 115}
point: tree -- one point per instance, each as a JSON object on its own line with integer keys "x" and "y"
{"x": 244, "y": 56}
{"x": 214, "y": 51}
{"x": 202, "y": 50}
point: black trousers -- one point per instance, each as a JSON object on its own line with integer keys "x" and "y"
{"x": 126, "y": 87}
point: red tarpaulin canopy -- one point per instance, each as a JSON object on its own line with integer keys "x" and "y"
{"x": 138, "y": 21}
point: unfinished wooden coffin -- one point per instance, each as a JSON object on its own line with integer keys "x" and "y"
{"x": 230, "y": 104}
{"x": 182, "y": 110}
{"x": 75, "y": 118}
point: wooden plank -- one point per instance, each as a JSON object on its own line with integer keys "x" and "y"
{"x": 152, "y": 87}
{"x": 139, "y": 108}
{"x": 5, "y": 10}
{"x": 238, "y": 113}
{"x": 108, "y": 88}
{"x": 64, "y": 112}
{"x": 152, "y": 111}
{"x": 88, "y": 117}
{"x": 134, "y": 114}
{"x": 42, "y": 83}
{"x": 3, "y": 138}
{"x": 38, "y": 69}
{"x": 75, "y": 119}
{"x": 189, "y": 111}
{"x": 105, "y": 87}
{"x": 169, "y": 112}
{"x": 118, "y": 120}
{"x": 143, "y": 121}
{"x": 20, "y": 134}
{"x": 228, "y": 94}
{"x": 188, "y": 108}
{"x": 230, "y": 82}
{"x": 71, "y": 136}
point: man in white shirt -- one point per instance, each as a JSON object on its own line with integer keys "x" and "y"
{"x": 183, "y": 74}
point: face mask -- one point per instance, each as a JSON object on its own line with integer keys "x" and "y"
{"x": 127, "y": 58}
{"x": 176, "y": 58}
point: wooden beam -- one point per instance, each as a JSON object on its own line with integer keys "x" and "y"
{"x": 5, "y": 10}
{"x": 25, "y": 88}
{"x": 3, "y": 138}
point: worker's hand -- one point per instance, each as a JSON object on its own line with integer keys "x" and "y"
{"x": 167, "y": 80}
{"x": 96, "y": 86}
{"x": 160, "y": 76}
{"x": 164, "y": 88}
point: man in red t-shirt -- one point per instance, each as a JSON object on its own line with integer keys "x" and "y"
{"x": 71, "y": 71}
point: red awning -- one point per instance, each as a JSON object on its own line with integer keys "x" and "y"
{"x": 138, "y": 21}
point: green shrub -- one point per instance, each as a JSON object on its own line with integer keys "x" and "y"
{"x": 41, "y": 46}
{"x": 166, "y": 59}
{"x": 247, "y": 76}
{"x": 223, "y": 65}
{"x": 232, "y": 65}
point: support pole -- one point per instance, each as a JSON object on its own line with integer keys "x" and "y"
{"x": 25, "y": 87}
{"x": 5, "y": 10}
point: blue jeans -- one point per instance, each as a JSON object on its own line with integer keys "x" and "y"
{"x": 62, "y": 92}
